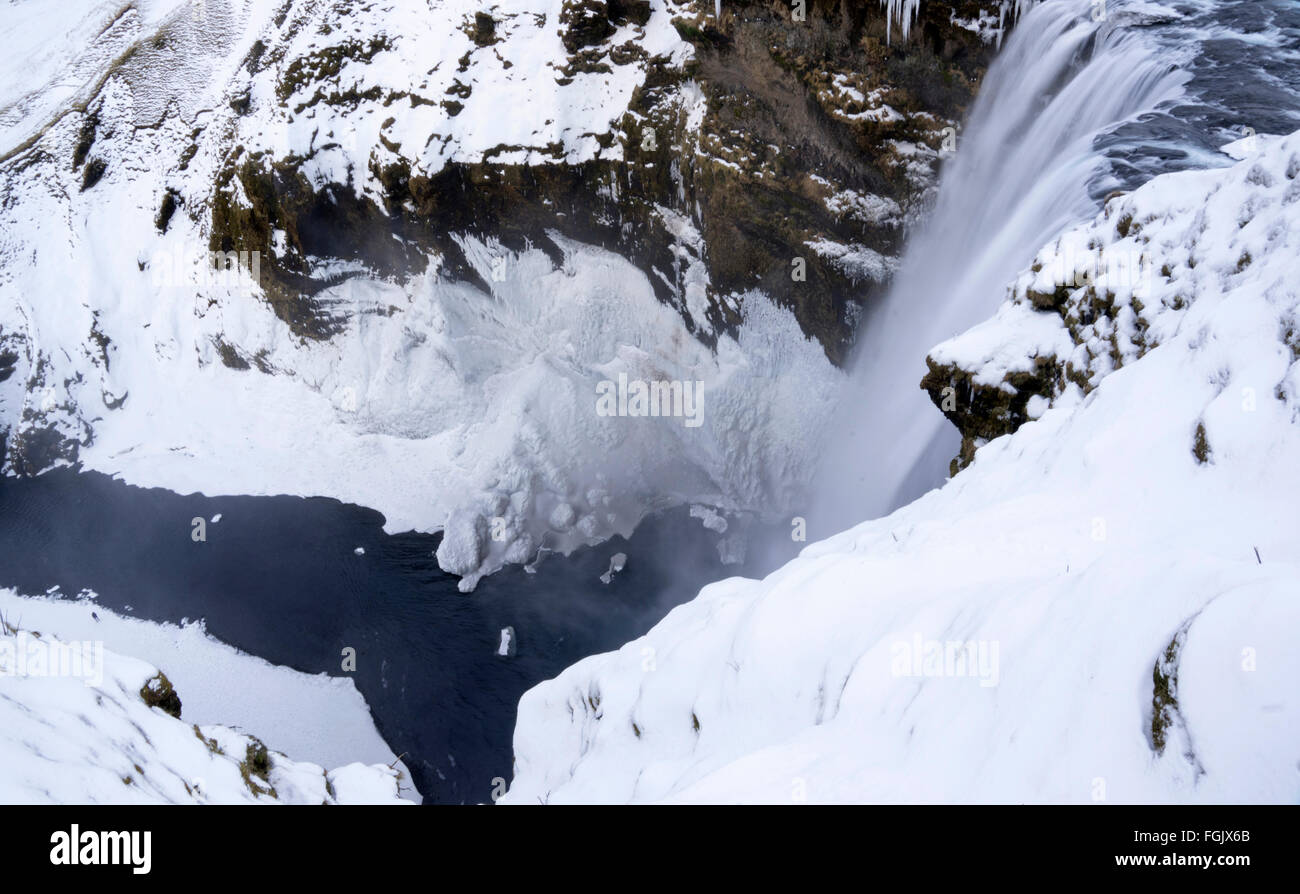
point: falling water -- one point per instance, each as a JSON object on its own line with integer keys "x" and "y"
{"x": 1040, "y": 141}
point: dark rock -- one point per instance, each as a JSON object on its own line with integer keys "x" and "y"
{"x": 584, "y": 23}
{"x": 157, "y": 692}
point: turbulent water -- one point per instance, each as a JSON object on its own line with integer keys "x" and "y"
{"x": 1085, "y": 98}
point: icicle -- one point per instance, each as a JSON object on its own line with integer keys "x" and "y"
{"x": 1017, "y": 9}
{"x": 903, "y": 10}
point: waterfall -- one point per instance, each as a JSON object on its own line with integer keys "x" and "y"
{"x": 1021, "y": 174}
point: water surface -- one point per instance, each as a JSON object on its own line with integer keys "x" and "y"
{"x": 278, "y": 577}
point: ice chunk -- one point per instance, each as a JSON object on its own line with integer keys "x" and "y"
{"x": 616, "y": 563}
{"x": 506, "y": 649}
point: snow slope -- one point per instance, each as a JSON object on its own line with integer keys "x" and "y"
{"x": 1102, "y": 607}
{"x": 54, "y": 59}
{"x": 329, "y": 724}
{"x": 74, "y": 727}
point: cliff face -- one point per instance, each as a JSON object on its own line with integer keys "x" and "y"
{"x": 776, "y": 148}
{"x": 388, "y": 252}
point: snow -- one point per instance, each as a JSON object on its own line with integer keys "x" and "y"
{"x": 1102, "y": 615}
{"x": 88, "y": 737}
{"x": 857, "y": 261}
{"x": 521, "y": 70}
{"x": 439, "y": 439}
{"x": 1009, "y": 342}
{"x": 442, "y": 405}
{"x": 315, "y": 718}
{"x": 52, "y": 60}
{"x": 360, "y": 784}
{"x": 876, "y": 108}
{"x": 864, "y": 207}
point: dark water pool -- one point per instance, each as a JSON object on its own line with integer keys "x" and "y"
{"x": 278, "y": 577}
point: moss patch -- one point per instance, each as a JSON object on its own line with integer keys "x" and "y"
{"x": 157, "y": 692}
{"x": 1201, "y": 445}
{"x": 255, "y": 768}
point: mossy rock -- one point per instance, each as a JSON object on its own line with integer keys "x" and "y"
{"x": 982, "y": 412}
{"x": 157, "y": 692}
{"x": 1201, "y": 445}
{"x": 255, "y": 768}
{"x": 756, "y": 211}
{"x": 584, "y": 23}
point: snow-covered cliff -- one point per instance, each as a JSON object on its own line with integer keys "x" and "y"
{"x": 1100, "y": 606}
{"x": 447, "y": 225}
{"x": 83, "y": 723}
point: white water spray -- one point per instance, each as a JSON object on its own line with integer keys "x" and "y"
{"x": 1020, "y": 176}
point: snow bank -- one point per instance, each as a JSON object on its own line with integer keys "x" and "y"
{"x": 1102, "y": 607}
{"x": 78, "y": 730}
{"x": 329, "y": 722}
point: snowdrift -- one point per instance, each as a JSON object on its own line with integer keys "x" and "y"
{"x": 1101, "y": 606}
{"x": 82, "y": 723}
